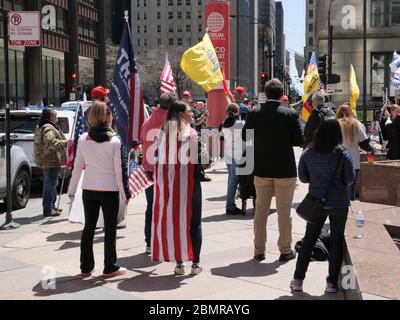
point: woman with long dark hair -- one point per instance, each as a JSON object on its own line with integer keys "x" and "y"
{"x": 176, "y": 227}
{"x": 317, "y": 167}
{"x": 99, "y": 153}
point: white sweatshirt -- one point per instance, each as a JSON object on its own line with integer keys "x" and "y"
{"x": 102, "y": 165}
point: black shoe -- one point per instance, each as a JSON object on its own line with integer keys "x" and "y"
{"x": 287, "y": 257}
{"x": 52, "y": 214}
{"x": 234, "y": 212}
{"x": 205, "y": 178}
{"x": 121, "y": 227}
{"x": 259, "y": 257}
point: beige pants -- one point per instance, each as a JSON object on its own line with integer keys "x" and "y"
{"x": 284, "y": 192}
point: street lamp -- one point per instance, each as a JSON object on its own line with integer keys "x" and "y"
{"x": 330, "y": 44}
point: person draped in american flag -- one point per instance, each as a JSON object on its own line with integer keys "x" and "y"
{"x": 148, "y": 136}
{"x": 176, "y": 234}
{"x": 72, "y": 144}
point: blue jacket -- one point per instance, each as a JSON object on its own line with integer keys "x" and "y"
{"x": 317, "y": 169}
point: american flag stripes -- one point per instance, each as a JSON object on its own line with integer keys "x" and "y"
{"x": 139, "y": 181}
{"x": 167, "y": 79}
{"x": 72, "y": 144}
{"x": 172, "y": 211}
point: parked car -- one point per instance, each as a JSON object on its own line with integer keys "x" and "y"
{"x": 23, "y": 125}
{"x": 21, "y": 175}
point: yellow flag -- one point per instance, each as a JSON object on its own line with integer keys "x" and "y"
{"x": 311, "y": 85}
{"x": 354, "y": 90}
{"x": 200, "y": 63}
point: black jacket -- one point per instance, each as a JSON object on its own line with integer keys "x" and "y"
{"x": 316, "y": 116}
{"x": 277, "y": 130}
{"x": 391, "y": 132}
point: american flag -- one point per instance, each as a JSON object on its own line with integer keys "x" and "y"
{"x": 139, "y": 181}
{"x": 72, "y": 144}
{"x": 172, "y": 212}
{"x": 167, "y": 78}
{"x": 126, "y": 96}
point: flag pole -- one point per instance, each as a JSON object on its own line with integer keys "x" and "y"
{"x": 65, "y": 167}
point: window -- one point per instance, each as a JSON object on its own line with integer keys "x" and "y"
{"x": 158, "y": 3}
{"x": 145, "y": 16}
{"x": 138, "y": 42}
{"x": 188, "y": 2}
{"x": 311, "y": 14}
{"x": 310, "y": 41}
{"x": 159, "y": 28}
{"x": 200, "y": 28}
{"x": 145, "y": 42}
{"x": 158, "y": 15}
{"x": 385, "y": 13}
{"x": 199, "y": 2}
{"x": 188, "y": 28}
{"x": 170, "y": 15}
{"x": 138, "y": 29}
{"x": 138, "y": 16}
{"x": 200, "y": 15}
{"x": 145, "y": 29}
{"x": 144, "y": 3}
{"x": 178, "y": 2}
{"x": 395, "y": 12}
{"x": 180, "y": 42}
{"x": 188, "y": 15}
{"x": 171, "y": 41}
{"x": 159, "y": 42}
{"x": 310, "y": 28}
{"x": 179, "y": 29}
{"x": 171, "y": 28}
{"x": 170, "y": 3}
{"x": 380, "y": 74}
{"x": 137, "y": 3}
{"x": 179, "y": 15}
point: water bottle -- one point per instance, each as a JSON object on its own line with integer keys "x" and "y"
{"x": 360, "y": 225}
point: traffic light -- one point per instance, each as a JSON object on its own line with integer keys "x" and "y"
{"x": 264, "y": 78}
{"x": 322, "y": 68}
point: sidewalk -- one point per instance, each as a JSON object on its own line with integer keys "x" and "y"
{"x": 229, "y": 270}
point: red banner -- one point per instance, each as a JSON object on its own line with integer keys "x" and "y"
{"x": 217, "y": 20}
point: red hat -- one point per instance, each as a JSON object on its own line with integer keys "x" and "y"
{"x": 285, "y": 98}
{"x": 99, "y": 93}
{"x": 241, "y": 91}
{"x": 187, "y": 93}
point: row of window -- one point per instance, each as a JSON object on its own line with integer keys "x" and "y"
{"x": 171, "y": 42}
{"x": 179, "y": 15}
{"x": 171, "y": 3}
{"x": 385, "y": 13}
{"x": 179, "y": 28}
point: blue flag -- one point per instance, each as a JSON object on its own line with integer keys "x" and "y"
{"x": 125, "y": 92}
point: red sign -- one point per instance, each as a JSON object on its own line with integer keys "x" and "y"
{"x": 218, "y": 24}
{"x": 24, "y": 28}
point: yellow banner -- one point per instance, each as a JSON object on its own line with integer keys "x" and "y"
{"x": 354, "y": 90}
{"x": 200, "y": 63}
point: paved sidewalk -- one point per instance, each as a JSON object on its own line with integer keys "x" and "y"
{"x": 42, "y": 245}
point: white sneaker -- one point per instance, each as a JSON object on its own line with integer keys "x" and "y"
{"x": 179, "y": 269}
{"x": 196, "y": 269}
{"x": 148, "y": 250}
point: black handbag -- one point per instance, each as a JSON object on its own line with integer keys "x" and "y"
{"x": 310, "y": 209}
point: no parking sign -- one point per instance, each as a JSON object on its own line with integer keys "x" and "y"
{"x": 24, "y": 28}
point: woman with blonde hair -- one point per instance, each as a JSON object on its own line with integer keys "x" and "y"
{"x": 354, "y": 137}
{"x": 99, "y": 153}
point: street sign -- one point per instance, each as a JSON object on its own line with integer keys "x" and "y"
{"x": 330, "y": 89}
{"x": 24, "y": 28}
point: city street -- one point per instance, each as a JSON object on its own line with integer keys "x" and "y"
{"x": 40, "y": 246}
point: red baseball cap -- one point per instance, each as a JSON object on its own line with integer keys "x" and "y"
{"x": 99, "y": 93}
{"x": 241, "y": 91}
{"x": 187, "y": 93}
{"x": 285, "y": 98}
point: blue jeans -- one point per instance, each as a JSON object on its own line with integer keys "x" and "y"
{"x": 50, "y": 183}
{"x": 233, "y": 181}
{"x": 149, "y": 212}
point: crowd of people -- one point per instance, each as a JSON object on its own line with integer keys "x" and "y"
{"x": 330, "y": 140}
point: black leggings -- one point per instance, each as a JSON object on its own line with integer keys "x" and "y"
{"x": 109, "y": 203}
{"x": 195, "y": 224}
{"x": 338, "y": 219}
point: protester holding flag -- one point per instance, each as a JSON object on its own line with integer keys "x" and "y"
{"x": 50, "y": 155}
{"x": 176, "y": 228}
{"x": 321, "y": 111}
{"x": 391, "y": 130}
{"x": 99, "y": 153}
{"x": 148, "y": 135}
{"x": 312, "y": 83}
